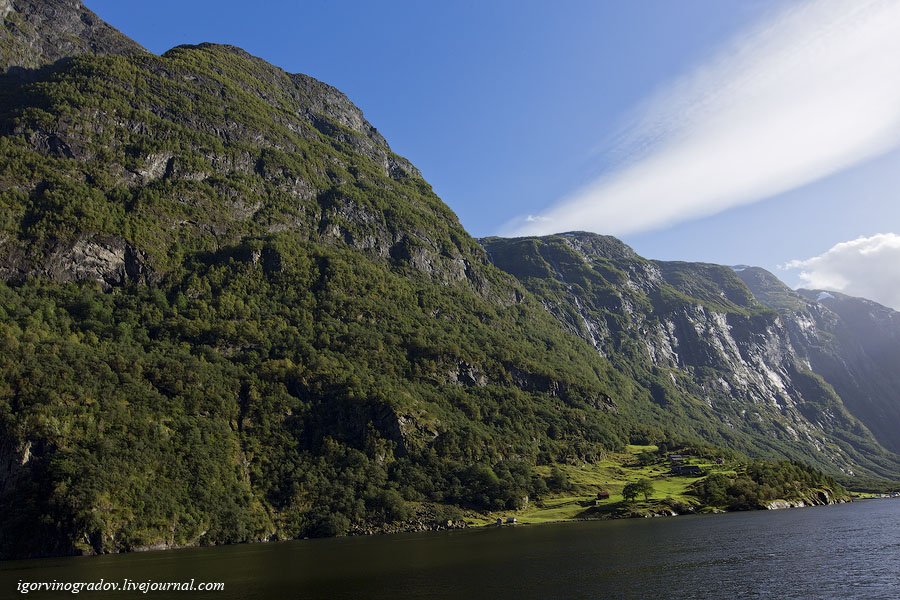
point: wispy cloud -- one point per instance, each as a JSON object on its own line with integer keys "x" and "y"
{"x": 867, "y": 266}
{"x": 813, "y": 90}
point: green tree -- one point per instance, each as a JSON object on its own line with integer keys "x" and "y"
{"x": 645, "y": 488}
{"x": 642, "y": 487}
{"x": 646, "y": 458}
{"x": 558, "y": 480}
{"x": 630, "y": 492}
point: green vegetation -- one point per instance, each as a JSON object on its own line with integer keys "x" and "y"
{"x": 626, "y": 484}
{"x": 304, "y": 342}
{"x": 231, "y": 313}
{"x": 759, "y": 483}
{"x": 234, "y": 404}
{"x": 642, "y": 487}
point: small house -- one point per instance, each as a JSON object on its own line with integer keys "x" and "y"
{"x": 676, "y": 459}
{"x": 499, "y": 521}
{"x": 602, "y": 495}
{"x": 511, "y": 520}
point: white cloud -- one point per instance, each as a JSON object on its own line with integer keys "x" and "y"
{"x": 867, "y": 266}
{"x": 808, "y": 93}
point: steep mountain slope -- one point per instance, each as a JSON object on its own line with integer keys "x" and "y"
{"x": 232, "y": 313}
{"x": 853, "y": 343}
{"x": 697, "y": 338}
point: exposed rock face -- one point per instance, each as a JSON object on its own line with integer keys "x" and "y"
{"x": 466, "y": 374}
{"x": 108, "y": 260}
{"x": 691, "y": 333}
{"x": 853, "y": 343}
{"x": 13, "y": 460}
{"x": 329, "y": 102}
{"x": 782, "y": 504}
{"x": 814, "y": 498}
{"x": 40, "y": 32}
{"x": 20, "y": 461}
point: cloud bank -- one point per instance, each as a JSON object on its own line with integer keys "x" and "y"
{"x": 808, "y": 93}
{"x": 867, "y": 266}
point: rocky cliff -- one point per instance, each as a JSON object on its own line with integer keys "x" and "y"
{"x": 701, "y": 342}
{"x": 853, "y": 343}
{"x": 37, "y": 33}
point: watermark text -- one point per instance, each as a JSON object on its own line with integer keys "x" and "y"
{"x": 125, "y": 585}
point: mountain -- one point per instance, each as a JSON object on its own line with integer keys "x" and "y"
{"x": 853, "y": 343}
{"x": 38, "y": 33}
{"x": 230, "y": 312}
{"x": 710, "y": 349}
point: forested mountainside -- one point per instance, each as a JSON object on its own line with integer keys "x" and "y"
{"x": 232, "y": 313}
{"x": 229, "y": 312}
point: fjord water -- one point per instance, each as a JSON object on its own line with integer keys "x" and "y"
{"x": 847, "y": 551}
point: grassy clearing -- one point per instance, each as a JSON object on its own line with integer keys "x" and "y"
{"x": 864, "y": 495}
{"x": 612, "y": 474}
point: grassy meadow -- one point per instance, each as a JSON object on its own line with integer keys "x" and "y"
{"x": 612, "y": 474}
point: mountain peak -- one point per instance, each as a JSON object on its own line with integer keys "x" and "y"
{"x": 768, "y": 289}
{"x": 38, "y": 33}
{"x": 605, "y": 246}
{"x": 589, "y": 245}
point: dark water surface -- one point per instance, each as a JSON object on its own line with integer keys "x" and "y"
{"x": 844, "y": 551}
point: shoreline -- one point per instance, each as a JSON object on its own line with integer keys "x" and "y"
{"x": 436, "y": 528}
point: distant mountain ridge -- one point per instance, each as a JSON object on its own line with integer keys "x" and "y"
{"x": 853, "y": 343}
{"x": 704, "y": 339}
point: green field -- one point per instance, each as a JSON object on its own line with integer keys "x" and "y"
{"x": 612, "y": 474}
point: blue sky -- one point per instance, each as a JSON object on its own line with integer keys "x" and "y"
{"x": 511, "y": 107}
